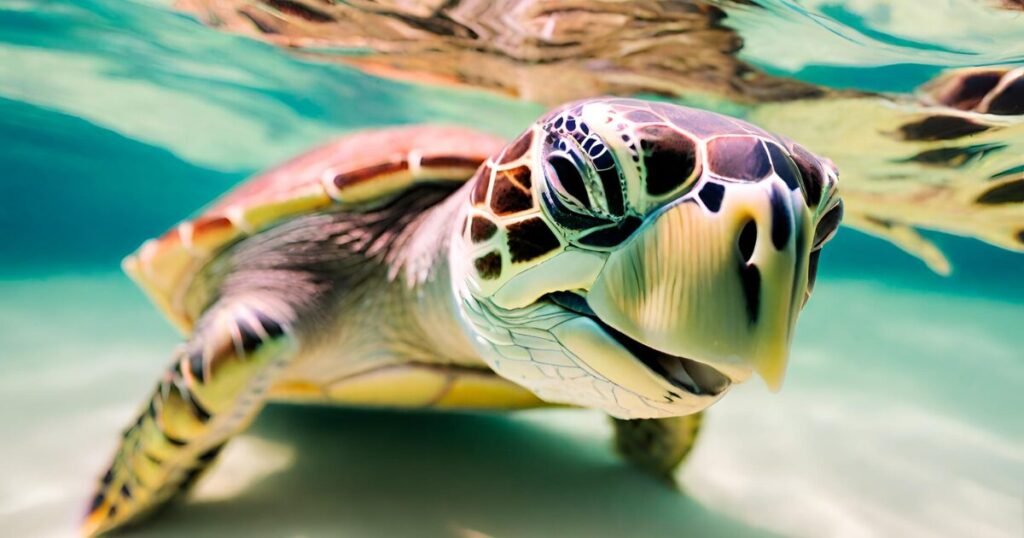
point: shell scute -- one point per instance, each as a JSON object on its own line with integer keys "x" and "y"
{"x": 355, "y": 169}
{"x": 207, "y": 233}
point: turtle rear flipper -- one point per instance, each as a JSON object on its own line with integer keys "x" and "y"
{"x": 213, "y": 389}
{"x": 657, "y": 445}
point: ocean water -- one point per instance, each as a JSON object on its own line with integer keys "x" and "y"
{"x": 901, "y": 413}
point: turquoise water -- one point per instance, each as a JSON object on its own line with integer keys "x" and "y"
{"x": 900, "y": 415}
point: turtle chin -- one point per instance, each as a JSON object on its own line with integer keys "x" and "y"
{"x": 685, "y": 374}
{"x": 557, "y": 348}
{"x": 647, "y": 382}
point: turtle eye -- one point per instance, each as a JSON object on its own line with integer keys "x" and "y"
{"x": 573, "y": 174}
{"x": 567, "y": 198}
{"x": 565, "y": 176}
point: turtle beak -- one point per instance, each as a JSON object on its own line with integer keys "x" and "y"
{"x": 722, "y": 288}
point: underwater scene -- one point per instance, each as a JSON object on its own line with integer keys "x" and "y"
{"x": 900, "y": 410}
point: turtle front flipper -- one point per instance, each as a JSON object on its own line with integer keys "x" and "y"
{"x": 657, "y": 445}
{"x": 213, "y": 389}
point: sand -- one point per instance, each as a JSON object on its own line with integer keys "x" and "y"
{"x": 900, "y": 417}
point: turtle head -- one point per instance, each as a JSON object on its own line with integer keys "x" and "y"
{"x": 640, "y": 257}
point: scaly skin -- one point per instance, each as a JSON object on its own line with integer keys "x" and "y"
{"x": 631, "y": 257}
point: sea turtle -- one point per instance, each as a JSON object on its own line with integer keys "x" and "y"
{"x": 947, "y": 157}
{"x": 634, "y": 257}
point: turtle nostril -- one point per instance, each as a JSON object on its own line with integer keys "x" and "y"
{"x": 748, "y": 240}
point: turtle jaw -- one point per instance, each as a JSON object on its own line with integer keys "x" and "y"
{"x": 722, "y": 289}
{"x": 693, "y": 377}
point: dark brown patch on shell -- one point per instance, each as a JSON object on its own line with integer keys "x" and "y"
{"x": 1007, "y": 193}
{"x": 940, "y": 128}
{"x": 517, "y": 148}
{"x": 204, "y": 225}
{"x": 511, "y": 192}
{"x": 345, "y": 179}
{"x": 449, "y": 161}
{"x": 530, "y": 239}
{"x": 738, "y": 157}
{"x": 488, "y": 266}
{"x": 482, "y": 180}
{"x": 482, "y": 229}
{"x": 670, "y": 158}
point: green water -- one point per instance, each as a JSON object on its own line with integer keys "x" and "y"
{"x": 901, "y": 414}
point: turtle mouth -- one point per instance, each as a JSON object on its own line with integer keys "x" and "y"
{"x": 694, "y": 377}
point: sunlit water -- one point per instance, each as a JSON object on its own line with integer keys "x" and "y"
{"x": 901, "y": 415}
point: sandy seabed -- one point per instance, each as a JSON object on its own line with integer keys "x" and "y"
{"x": 900, "y": 417}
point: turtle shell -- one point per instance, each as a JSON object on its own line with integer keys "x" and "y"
{"x": 348, "y": 173}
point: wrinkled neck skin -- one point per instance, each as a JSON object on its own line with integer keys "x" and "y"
{"x": 422, "y": 267}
